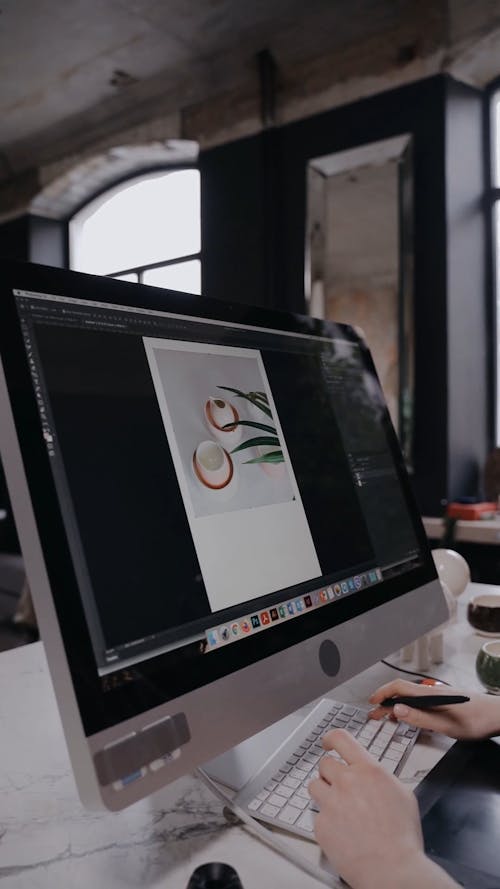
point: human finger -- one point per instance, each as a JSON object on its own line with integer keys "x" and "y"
{"x": 347, "y": 746}
{"x": 330, "y": 769}
{"x": 319, "y": 791}
{"x": 398, "y": 687}
{"x": 379, "y": 713}
{"x": 439, "y": 719}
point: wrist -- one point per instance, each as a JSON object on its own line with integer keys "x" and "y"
{"x": 491, "y": 725}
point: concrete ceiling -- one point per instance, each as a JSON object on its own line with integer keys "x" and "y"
{"x": 75, "y": 71}
{"x": 67, "y": 59}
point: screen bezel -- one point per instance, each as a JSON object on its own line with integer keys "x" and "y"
{"x": 100, "y": 710}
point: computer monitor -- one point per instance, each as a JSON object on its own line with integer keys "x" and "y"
{"x": 214, "y": 512}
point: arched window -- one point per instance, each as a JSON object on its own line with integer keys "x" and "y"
{"x": 146, "y": 229}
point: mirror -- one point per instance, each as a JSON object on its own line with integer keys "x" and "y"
{"x": 359, "y": 259}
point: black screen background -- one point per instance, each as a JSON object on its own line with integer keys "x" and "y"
{"x": 319, "y": 460}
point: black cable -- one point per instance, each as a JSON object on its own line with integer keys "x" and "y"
{"x": 412, "y": 672}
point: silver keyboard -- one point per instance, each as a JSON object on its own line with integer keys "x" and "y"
{"x": 278, "y": 793}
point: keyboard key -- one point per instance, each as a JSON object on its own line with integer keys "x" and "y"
{"x": 312, "y": 736}
{"x": 394, "y": 747}
{"x": 263, "y": 795}
{"x": 254, "y": 804}
{"x": 388, "y": 729}
{"x": 291, "y": 782}
{"x": 352, "y": 727}
{"x": 300, "y": 774}
{"x": 270, "y": 811}
{"x": 276, "y": 800}
{"x": 304, "y": 765}
{"x": 285, "y": 768}
{"x": 312, "y": 758}
{"x": 306, "y": 821}
{"x": 369, "y": 731}
{"x": 271, "y": 785}
{"x": 349, "y": 711}
{"x": 391, "y": 754}
{"x": 389, "y": 765}
{"x": 303, "y": 793}
{"x": 300, "y": 802}
{"x": 289, "y": 815}
{"x": 284, "y": 791}
{"x": 292, "y": 760}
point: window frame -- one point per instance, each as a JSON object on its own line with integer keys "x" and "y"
{"x": 119, "y": 184}
{"x": 492, "y": 254}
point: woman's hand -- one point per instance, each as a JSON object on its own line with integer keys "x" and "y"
{"x": 368, "y": 825}
{"x": 478, "y": 718}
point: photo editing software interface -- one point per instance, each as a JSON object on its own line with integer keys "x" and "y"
{"x": 215, "y": 480}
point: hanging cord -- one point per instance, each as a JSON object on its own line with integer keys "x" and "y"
{"x": 269, "y": 838}
{"x": 413, "y": 673}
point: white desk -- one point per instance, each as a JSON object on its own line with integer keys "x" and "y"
{"x": 47, "y": 840}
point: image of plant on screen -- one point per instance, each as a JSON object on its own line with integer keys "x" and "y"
{"x": 223, "y": 428}
{"x": 268, "y": 445}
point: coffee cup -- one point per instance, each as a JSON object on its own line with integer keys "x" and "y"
{"x": 488, "y": 666}
{"x": 483, "y": 613}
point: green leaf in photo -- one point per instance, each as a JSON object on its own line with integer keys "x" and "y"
{"x": 249, "y": 396}
{"x": 272, "y": 457}
{"x": 254, "y": 425}
{"x": 260, "y": 440}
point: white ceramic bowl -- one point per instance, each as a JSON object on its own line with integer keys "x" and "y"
{"x": 212, "y": 465}
{"x": 219, "y": 413}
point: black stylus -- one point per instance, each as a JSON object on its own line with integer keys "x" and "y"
{"x": 424, "y": 702}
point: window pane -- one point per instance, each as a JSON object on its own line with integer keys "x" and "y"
{"x": 185, "y": 276}
{"x": 149, "y": 220}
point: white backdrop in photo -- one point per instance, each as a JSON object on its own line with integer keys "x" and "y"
{"x": 255, "y": 539}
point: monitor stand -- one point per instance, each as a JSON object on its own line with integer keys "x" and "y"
{"x": 235, "y": 767}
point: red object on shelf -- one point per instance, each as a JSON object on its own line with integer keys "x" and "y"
{"x": 469, "y": 510}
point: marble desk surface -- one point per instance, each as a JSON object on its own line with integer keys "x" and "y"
{"x": 48, "y": 840}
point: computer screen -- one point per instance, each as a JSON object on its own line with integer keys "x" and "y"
{"x": 211, "y": 486}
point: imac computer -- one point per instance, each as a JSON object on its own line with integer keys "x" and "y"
{"x": 215, "y": 516}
